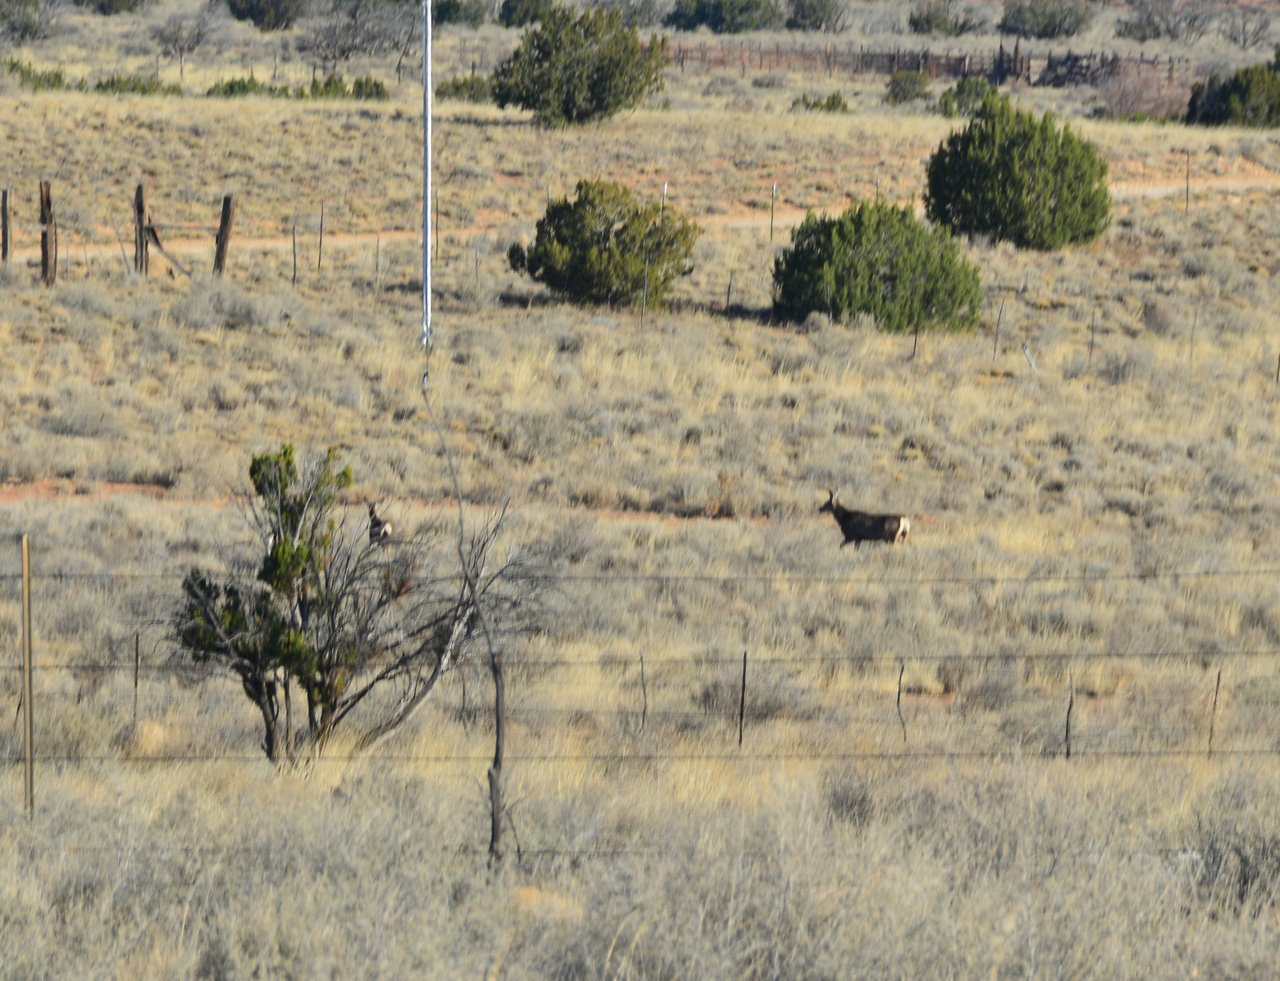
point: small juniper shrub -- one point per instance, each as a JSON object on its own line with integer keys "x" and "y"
{"x": 879, "y": 260}
{"x": 1250, "y": 97}
{"x": 466, "y": 88}
{"x": 233, "y": 88}
{"x": 835, "y": 102}
{"x": 1018, "y": 179}
{"x": 135, "y": 85}
{"x": 607, "y": 247}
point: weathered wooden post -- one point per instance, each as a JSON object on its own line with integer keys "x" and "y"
{"x": 48, "y": 236}
{"x": 29, "y": 773}
{"x": 224, "y": 236}
{"x": 320, "y": 247}
{"x": 141, "y": 253}
{"x": 4, "y": 225}
{"x": 742, "y": 699}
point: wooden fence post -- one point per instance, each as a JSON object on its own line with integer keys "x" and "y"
{"x": 137, "y": 662}
{"x": 644, "y": 695}
{"x": 1071, "y": 702}
{"x": 48, "y": 236}
{"x": 29, "y": 773}
{"x": 141, "y": 253}
{"x": 224, "y": 236}
{"x": 4, "y": 225}
{"x": 1213, "y": 712}
{"x": 320, "y": 248}
{"x": 742, "y": 700}
{"x": 902, "y": 668}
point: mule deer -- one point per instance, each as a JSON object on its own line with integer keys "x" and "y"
{"x": 379, "y": 530}
{"x": 859, "y": 526}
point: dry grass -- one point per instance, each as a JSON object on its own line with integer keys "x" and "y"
{"x": 1055, "y": 514}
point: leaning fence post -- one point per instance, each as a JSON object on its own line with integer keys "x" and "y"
{"x": 224, "y": 236}
{"x": 29, "y": 773}
{"x": 644, "y": 695}
{"x": 1071, "y": 701}
{"x": 1213, "y": 712}
{"x": 48, "y": 236}
{"x": 902, "y": 667}
{"x": 141, "y": 255}
{"x": 320, "y": 248}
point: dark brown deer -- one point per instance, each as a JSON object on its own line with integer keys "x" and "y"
{"x": 859, "y": 526}
{"x": 379, "y": 530}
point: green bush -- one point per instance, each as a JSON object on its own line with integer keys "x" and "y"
{"x": 1045, "y": 19}
{"x": 109, "y": 8}
{"x": 830, "y": 16}
{"x": 267, "y": 15}
{"x": 233, "y": 88}
{"x": 964, "y": 98}
{"x": 942, "y": 17}
{"x": 880, "y": 260}
{"x": 135, "y": 85}
{"x": 727, "y": 16}
{"x": 1018, "y": 179}
{"x": 603, "y": 247}
{"x": 34, "y": 80}
{"x": 832, "y": 103}
{"x": 906, "y": 87}
{"x": 521, "y": 13}
{"x": 25, "y": 20}
{"x": 368, "y": 88}
{"x": 573, "y": 68}
{"x": 1250, "y": 97}
{"x": 469, "y": 13}
{"x": 465, "y": 88}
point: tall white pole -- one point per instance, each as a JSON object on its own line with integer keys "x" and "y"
{"x": 427, "y": 339}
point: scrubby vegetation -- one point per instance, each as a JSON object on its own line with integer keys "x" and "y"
{"x": 135, "y": 85}
{"x": 607, "y": 247}
{"x": 466, "y": 88}
{"x": 906, "y": 86}
{"x": 965, "y": 97}
{"x": 1250, "y": 97}
{"x": 1046, "y": 19}
{"x": 878, "y": 260}
{"x": 1018, "y": 179}
{"x": 727, "y": 16}
{"x": 835, "y": 102}
{"x": 36, "y": 80}
{"x": 233, "y": 88}
{"x": 267, "y": 15}
{"x": 945, "y": 18}
{"x": 573, "y": 68}
{"x": 469, "y": 13}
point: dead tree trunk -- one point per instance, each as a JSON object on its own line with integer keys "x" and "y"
{"x": 48, "y": 236}
{"x": 224, "y": 236}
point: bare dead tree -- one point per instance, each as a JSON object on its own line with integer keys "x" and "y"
{"x": 1245, "y": 25}
{"x": 496, "y": 808}
{"x": 181, "y": 35}
{"x": 1177, "y": 20}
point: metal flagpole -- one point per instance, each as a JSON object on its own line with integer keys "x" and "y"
{"x": 427, "y": 339}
